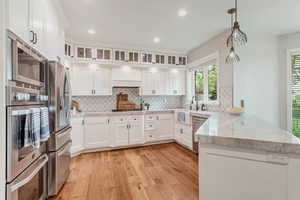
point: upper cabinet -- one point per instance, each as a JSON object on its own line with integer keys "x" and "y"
{"x": 160, "y": 59}
{"x": 36, "y": 23}
{"x": 69, "y": 51}
{"x": 103, "y": 55}
{"x": 91, "y": 81}
{"x": 147, "y": 58}
{"x": 133, "y": 57}
{"x": 120, "y": 56}
{"x": 124, "y": 57}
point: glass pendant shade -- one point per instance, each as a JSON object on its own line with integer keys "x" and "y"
{"x": 237, "y": 37}
{"x": 232, "y": 57}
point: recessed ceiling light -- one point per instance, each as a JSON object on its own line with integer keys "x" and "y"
{"x": 156, "y": 40}
{"x": 91, "y": 31}
{"x": 182, "y": 13}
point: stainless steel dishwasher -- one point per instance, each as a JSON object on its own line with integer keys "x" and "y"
{"x": 197, "y": 123}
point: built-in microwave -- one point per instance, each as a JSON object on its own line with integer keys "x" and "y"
{"x": 24, "y": 65}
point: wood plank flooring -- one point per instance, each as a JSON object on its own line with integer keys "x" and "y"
{"x": 158, "y": 172}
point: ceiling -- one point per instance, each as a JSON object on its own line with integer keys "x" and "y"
{"x": 134, "y": 23}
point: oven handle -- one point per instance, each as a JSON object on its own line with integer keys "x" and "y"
{"x": 29, "y": 177}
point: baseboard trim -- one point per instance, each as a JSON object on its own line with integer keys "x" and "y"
{"x": 84, "y": 151}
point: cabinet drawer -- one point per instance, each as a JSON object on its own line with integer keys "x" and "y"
{"x": 95, "y": 120}
{"x": 149, "y": 126}
{"x": 120, "y": 119}
{"x": 135, "y": 118}
{"x": 164, "y": 116}
{"x": 150, "y": 136}
{"x": 150, "y": 117}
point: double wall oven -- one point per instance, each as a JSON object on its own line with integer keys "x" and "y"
{"x": 26, "y": 89}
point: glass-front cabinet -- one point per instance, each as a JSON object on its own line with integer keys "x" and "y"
{"x": 133, "y": 57}
{"x": 84, "y": 53}
{"x": 171, "y": 60}
{"x": 147, "y": 58}
{"x": 182, "y": 60}
{"x": 160, "y": 59}
{"x": 103, "y": 54}
{"x": 68, "y": 50}
{"x": 120, "y": 55}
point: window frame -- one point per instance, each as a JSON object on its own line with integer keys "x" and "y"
{"x": 200, "y": 64}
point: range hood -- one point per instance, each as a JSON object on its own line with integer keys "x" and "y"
{"x": 128, "y": 77}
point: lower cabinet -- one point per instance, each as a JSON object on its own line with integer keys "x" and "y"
{"x": 184, "y": 135}
{"x": 127, "y": 130}
{"x": 159, "y": 127}
{"x": 96, "y": 132}
{"x": 77, "y": 134}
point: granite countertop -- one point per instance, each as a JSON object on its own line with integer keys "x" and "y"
{"x": 246, "y": 131}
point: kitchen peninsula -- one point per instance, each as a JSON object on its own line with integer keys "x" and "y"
{"x": 243, "y": 157}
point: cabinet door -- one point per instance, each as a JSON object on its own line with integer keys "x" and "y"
{"x": 120, "y": 55}
{"x": 176, "y": 82}
{"x": 37, "y": 10}
{"x": 96, "y": 132}
{"x": 18, "y": 18}
{"x": 133, "y": 57}
{"x": 102, "y": 81}
{"x": 149, "y": 83}
{"x": 82, "y": 81}
{"x": 84, "y": 53}
{"x": 165, "y": 127}
{"x": 77, "y": 135}
{"x": 121, "y": 134}
{"x": 136, "y": 133}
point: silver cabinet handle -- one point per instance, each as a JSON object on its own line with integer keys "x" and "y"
{"x": 27, "y": 179}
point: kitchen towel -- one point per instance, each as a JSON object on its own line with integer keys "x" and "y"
{"x": 45, "y": 133}
{"x": 35, "y": 127}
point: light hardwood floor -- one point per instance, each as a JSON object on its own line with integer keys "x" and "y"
{"x": 156, "y": 172}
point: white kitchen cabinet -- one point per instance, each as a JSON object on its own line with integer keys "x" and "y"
{"x": 154, "y": 82}
{"x": 96, "y": 132}
{"x": 82, "y": 81}
{"x": 171, "y": 60}
{"x": 136, "y": 135}
{"x": 165, "y": 126}
{"x": 147, "y": 58}
{"x": 120, "y": 131}
{"x": 84, "y": 53}
{"x": 184, "y": 135}
{"x": 103, "y": 55}
{"x": 176, "y": 82}
{"x": 159, "y": 127}
{"x": 120, "y": 56}
{"x": 102, "y": 81}
{"x": 36, "y": 22}
{"x": 127, "y": 130}
{"x": 160, "y": 59}
{"x": 88, "y": 81}
{"x": 18, "y": 19}
{"x": 181, "y": 60}
{"x": 133, "y": 57}
{"x": 77, "y": 135}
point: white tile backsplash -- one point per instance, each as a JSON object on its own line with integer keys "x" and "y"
{"x": 108, "y": 103}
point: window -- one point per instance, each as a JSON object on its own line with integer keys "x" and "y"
{"x": 206, "y": 84}
{"x": 295, "y": 89}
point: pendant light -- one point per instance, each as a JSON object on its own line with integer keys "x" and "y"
{"x": 237, "y": 36}
{"x": 232, "y": 57}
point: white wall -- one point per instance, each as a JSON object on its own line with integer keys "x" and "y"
{"x": 286, "y": 42}
{"x": 2, "y": 100}
{"x": 257, "y": 79}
